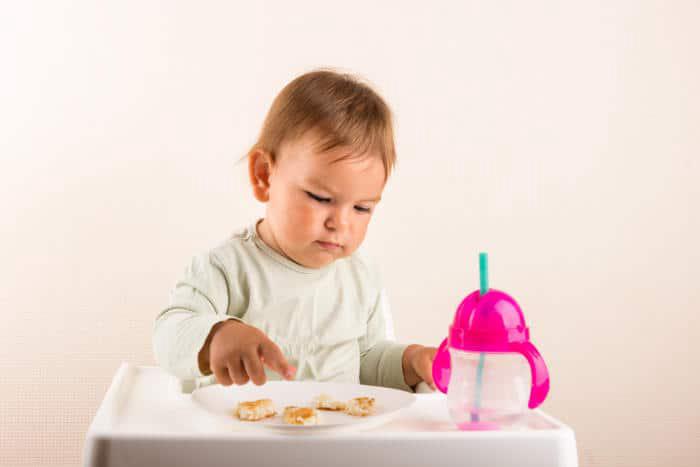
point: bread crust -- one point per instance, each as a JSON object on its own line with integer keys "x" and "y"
{"x": 252, "y": 411}
{"x": 360, "y": 406}
{"x": 326, "y": 402}
{"x": 300, "y": 415}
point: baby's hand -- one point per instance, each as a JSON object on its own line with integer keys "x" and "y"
{"x": 418, "y": 365}
{"x": 236, "y": 353}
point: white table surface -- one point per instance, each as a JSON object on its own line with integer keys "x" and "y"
{"x": 144, "y": 420}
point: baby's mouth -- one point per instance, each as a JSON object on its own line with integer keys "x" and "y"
{"x": 328, "y": 245}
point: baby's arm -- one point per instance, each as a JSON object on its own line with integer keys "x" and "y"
{"x": 198, "y": 302}
{"x": 195, "y": 336}
{"x": 381, "y": 359}
{"x": 386, "y": 363}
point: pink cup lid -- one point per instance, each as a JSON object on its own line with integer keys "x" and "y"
{"x": 492, "y": 322}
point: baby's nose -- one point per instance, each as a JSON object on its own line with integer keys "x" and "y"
{"x": 337, "y": 220}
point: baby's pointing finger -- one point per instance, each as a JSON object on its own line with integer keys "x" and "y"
{"x": 272, "y": 357}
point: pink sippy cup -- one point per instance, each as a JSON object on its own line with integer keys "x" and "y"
{"x": 487, "y": 366}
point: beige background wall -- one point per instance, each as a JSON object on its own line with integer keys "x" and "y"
{"x": 562, "y": 137}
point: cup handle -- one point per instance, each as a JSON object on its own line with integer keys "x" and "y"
{"x": 441, "y": 367}
{"x": 538, "y": 371}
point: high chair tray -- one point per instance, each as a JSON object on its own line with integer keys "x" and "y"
{"x": 143, "y": 421}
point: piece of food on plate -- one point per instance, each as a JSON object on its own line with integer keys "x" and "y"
{"x": 300, "y": 415}
{"x": 326, "y": 402}
{"x": 360, "y": 406}
{"x": 252, "y": 411}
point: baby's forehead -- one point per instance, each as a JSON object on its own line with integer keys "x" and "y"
{"x": 317, "y": 157}
{"x": 327, "y": 147}
{"x": 342, "y": 161}
{"x": 312, "y": 161}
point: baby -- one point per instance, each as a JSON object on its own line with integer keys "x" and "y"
{"x": 290, "y": 295}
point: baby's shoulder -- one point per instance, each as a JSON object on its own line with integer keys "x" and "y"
{"x": 236, "y": 247}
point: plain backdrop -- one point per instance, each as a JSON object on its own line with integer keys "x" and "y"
{"x": 561, "y": 137}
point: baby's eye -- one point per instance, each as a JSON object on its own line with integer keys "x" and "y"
{"x": 363, "y": 209}
{"x": 318, "y": 198}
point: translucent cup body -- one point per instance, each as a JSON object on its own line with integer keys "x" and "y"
{"x": 500, "y": 399}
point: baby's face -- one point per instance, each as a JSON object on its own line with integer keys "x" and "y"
{"x": 319, "y": 208}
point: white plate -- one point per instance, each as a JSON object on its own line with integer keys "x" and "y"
{"x": 221, "y": 401}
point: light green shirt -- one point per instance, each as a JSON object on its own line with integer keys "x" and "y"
{"x": 330, "y": 323}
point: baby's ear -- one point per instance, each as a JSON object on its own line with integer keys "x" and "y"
{"x": 259, "y": 169}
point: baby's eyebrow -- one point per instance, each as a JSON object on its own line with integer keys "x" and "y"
{"x": 320, "y": 185}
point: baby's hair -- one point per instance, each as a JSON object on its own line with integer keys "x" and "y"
{"x": 341, "y": 108}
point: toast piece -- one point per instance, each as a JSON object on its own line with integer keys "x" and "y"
{"x": 360, "y": 406}
{"x": 253, "y": 411}
{"x": 326, "y": 402}
{"x": 300, "y": 415}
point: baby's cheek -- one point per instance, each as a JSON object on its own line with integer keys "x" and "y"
{"x": 302, "y": 222}
{"x": 360, "y": 230}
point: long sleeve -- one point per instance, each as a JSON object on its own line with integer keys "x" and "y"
{"x": 381, "y": 358}
{"x": 198, "y": 301}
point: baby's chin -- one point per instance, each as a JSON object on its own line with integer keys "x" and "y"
{"x": 319, "y": 262}
{"x": 317, "y": 259}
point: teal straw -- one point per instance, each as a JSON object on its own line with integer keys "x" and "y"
{"x": 483, "y": 273}
{"x": 483, "y": 288}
